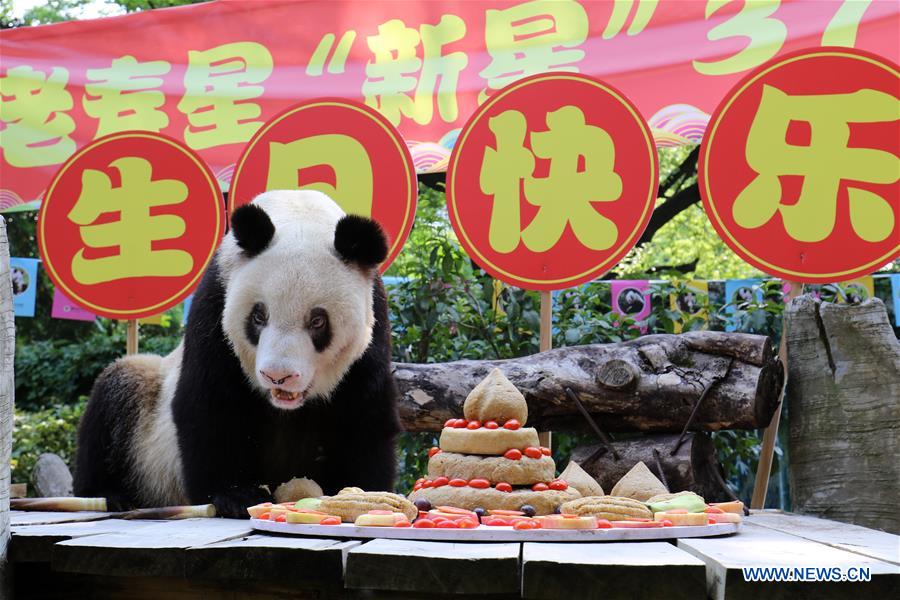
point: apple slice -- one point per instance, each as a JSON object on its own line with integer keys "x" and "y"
{"x": 736, "y": 506}
{"x": 567, "y": 522}
{"x": 308, "y": 517}
{"x": 256, "y": 511}
{"x": 378, "y": 518}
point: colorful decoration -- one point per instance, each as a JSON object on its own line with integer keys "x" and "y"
{"x": 552, "y": 181}
{"x": 211, "y": 74}
{"x": 631, "y": 298}
{"x": 691, "y": 301}
{"x": 129, "y": 224}
{"x": 63, "y": 308}
{"x": 23, "y": 274}
{"x": 800, "y": 165}
{"x": 342, "y": 148}
{"x": 739, "y": 295}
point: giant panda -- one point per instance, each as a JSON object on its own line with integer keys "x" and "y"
{"x": 284, "y": 371}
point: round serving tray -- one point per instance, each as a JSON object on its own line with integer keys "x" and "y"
{"x": 483, "y": 533}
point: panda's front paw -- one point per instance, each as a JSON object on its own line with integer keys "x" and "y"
{"x": 233, "y": 503}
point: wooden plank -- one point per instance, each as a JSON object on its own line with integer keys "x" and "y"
{"x": 158, "y": 550}
{"x": 609, "y": 571}
{"x": 758, "y": 546}
{"x": 270, "y": 558}
{"x": 25, "y": 517}
{"x": 434, "y": 567}
{"x": 33, "y": 543}
{"x": 852, "y": 538}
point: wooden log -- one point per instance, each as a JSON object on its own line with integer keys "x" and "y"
{"x": 693, "y": 467}
{"x": 843, "y": 390}
{"x": 611, "y": 570}
{"x": 648, "y": 384}
{"x": 7, "y": 391}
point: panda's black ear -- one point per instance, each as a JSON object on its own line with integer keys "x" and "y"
{"x": 361, "y": 241}
{"x": 252, "y": 228}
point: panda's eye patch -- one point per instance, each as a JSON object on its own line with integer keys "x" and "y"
{"x": 319, "y": 328}
{"x": 259, "y": 315}
{"x": 318, "y": 318}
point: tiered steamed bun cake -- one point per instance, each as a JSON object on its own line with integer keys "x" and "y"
{"x": 488, "y": 460}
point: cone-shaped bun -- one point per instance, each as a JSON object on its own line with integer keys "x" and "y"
{"x": 495, "y": 399}
{"x": 639, "y": 483}
{"x": 579, "y": 479}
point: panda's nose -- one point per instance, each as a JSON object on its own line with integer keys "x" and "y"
{"x": 279, "y": 377}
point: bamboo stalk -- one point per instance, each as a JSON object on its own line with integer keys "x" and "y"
{"x": 171, "y": 513}
{"x": 60, "y": 504}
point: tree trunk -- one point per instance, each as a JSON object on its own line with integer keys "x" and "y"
{"x": 7, "y": 352}
{"x": 649, "y": 384}
{"x": 844, "y": 408}
{"x": 693, "y": 467}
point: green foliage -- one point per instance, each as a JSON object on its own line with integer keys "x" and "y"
{"x": 47, "y": 430}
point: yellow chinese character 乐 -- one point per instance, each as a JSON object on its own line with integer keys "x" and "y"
{"x": 823, "y": 163}
{"x": 533, "y": 37}
{"x": 397, "y": 70}
{"x": 134, "y": 232}
{"x": 34, "y": 128}
{"x": 564, "y": 196}
{"x": 123, "y": 97}
{"x": 219, "y": 83}
{"x": 345, "y": 156}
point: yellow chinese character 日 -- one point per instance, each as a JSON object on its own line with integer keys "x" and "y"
{"x": 135, "y": 230}
{"x": 822, "y": 163}
{"x": 581, "y": 172}
{"x": 219, "y": 83}
{"x": 33, "y": 121}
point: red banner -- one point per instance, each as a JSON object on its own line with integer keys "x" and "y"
{"x": 211, "y": 74}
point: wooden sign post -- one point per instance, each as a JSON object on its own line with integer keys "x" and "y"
{"x": 131, "y": 337}
{"x": 820, "y": 231}
{"x": 546, "y": 342}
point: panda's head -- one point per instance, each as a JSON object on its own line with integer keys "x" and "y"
{"x": 298, "y": 277}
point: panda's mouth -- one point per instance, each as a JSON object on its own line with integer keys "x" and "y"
{"x": 285, "y": 399}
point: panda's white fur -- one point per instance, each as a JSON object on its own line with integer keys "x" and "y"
{"x": 299, "y": 269}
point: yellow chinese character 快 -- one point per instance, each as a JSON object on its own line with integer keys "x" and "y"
{"x": 135, "y": 230}
{"x": 533, "y": 37}
{"x": 35, "y": 129}
{"x": 122, "y": 97}
{"x": 822, "y": 163}
{"x": 397, "y": 70}
{"x": 581, "y": 172}
{"x": 343, "y": 155}
{"x": 218, "y": 83}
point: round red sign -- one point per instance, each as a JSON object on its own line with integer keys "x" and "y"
{"x": 552, "y": 181}
{"x": 799, "y": 168}
{"x": 342, "y": 148}
{"x": 129, "y": 224}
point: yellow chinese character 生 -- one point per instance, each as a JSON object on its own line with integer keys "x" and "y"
{"x": 822, "y": 163}
{"x": 34, "y": 129}
{"x": 533, "y": 37}
{"x": 397, "y": 70}
{"x": 343, "y": 155}
{"x": 135, "y": 230}
{"x": 581, "y": 172}
{"x": 122, "y": 97}
{"x": 219, "y": 83}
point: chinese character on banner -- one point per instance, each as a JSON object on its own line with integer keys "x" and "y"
{"x": 129, "y": 224}
{"x": 342, "y": 148}
{"x": 631, "y": 298}
{"x": 23, "y": 274}
{"x": 552, "y": 181}
{"x": 800, "y": 165}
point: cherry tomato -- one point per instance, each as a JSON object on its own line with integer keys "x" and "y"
{"x": 433, "y": 450}
{"x": 450, "y": 423}
{"x": 491, "y": 425}
{"x": 440, "y": 481}
{"x": 447, "y": 525}
{"x": 417, "y": 487}
{"x": 603, "y": 524}
{"x": 513, "y": 454}
{"x": 330, "y": 521}
{"x": 265, "y": 516}
{"x": 460, "y": 423}
{"x": 280, "y": 518}
{"x": 459, "y": 482}
{"x": 493, "y": 522}
{"x": 427, "y": 483}
{"x": 520, "y": 525}
{"x": 466, "y": 524}
{"x": 540, "y": 487}
{"x": 424, "y": 524}
{"x": 479, "y": 483}
{"x": 713, "y": 510}
{"x": 559, "y": 485}
{"x": 545, "y": 451}
{"x": 512, "y": 424}
{"x": 666, "y": 523}
{"x": 503, "y": 487}
{"x": 402, "y": 524}
{"x": 711, "y": 520}
{"x": 532, "y": 452}
{"x": 473, "y": 425}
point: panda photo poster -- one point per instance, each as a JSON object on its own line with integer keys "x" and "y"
{"x": 631, "y": 298}
{"x": 740, "y": 294}
{"x": 23, "y": 276}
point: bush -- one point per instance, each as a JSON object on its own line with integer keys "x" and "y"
{"x": 47, "y": 430}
